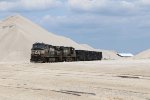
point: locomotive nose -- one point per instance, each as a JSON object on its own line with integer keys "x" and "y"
{"x": 37, "y": 52}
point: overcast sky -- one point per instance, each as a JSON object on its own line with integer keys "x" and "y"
{"x": 121, "y": 25}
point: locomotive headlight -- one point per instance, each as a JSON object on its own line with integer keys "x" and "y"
{"x": 37, "y": 52}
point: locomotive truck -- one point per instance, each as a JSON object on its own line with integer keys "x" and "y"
{"x": 42, "y": 52}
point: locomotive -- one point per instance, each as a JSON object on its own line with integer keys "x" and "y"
{"x": 42, "y": 52}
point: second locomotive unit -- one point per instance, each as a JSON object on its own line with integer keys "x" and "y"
{"x": 41, "y": 52}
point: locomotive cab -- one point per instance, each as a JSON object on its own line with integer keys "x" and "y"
{"x": 38, "y": 52}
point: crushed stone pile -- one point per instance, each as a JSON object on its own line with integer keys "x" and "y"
{"x": 17, "y": 34}
{"x": 143, "y": 55}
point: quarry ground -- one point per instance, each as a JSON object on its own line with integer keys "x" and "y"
{"x": 97, "y": 80}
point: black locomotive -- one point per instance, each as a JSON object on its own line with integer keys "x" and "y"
{"x": 41, "y": 52}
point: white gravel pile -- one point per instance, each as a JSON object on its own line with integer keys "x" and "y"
{"x": 17, "y": 34}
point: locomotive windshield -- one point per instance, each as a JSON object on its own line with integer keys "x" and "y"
{"x": 38, "y": 46}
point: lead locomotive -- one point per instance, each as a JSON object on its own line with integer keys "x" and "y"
{"x": 41, "y": 52}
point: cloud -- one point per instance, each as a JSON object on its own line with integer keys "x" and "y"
{"x": 19, "y": 5}
{"x": 5, "y": 5}
{"x": 114, "y": 26}
{"x": 102, "y": 6}
{"x": 106, "y": 7}
{"x": 110, "y": 7}
{"x": 39, "y": 4}
{"x": 145, "y": 2}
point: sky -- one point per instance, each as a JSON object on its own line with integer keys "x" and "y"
{"x": 120, "y": 25}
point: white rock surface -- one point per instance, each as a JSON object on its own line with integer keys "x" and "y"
{"x": 143, "y": 55}
{"x": 92, "y": 80}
